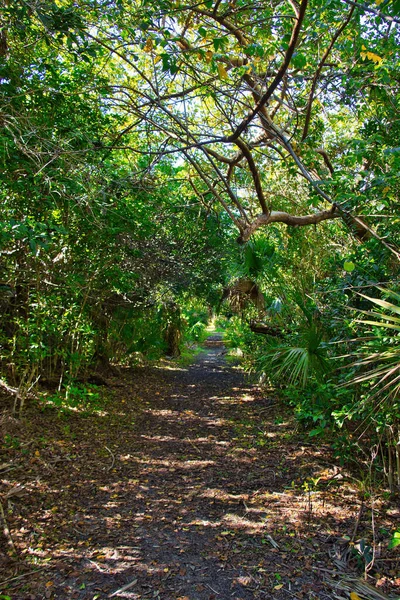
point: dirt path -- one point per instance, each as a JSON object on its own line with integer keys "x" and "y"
{"x": 187, "y": 486}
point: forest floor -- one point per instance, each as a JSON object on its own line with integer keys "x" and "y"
{"x": 186, "y": 483}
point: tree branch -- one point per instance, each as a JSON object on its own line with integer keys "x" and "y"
{"x": 378, "y": 13}
{"x": 277, "y": 216}
{"x": 318, "y": 72}
{"x": 278, "y": 78}
{"x": 326, "y": 158}
{"x": 214, "y": 192}
{"x": 255, "y": 174}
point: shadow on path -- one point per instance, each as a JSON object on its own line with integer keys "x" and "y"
{"x": 189, "y": 488}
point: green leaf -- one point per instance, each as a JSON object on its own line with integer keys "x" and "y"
{"x": 218, "y": 43}
{"x": 392, "y": 150}
{"x": 316, "y": 431}
{"x": 299, "y": 61}
{"x": 396, "y": 7}
{"x": 165, "y": 62}
{"x": 349, "y": 266}
{"x": 384, "y": 304}
{"x": 395, "y": 541}
{"x": 33, "y": 246}
{"x": 222, "y": 72}
{"x": 45, "y": 19}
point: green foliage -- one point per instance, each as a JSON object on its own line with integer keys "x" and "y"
{"x": 317, "y": 405}
{"x": 296, "y": 362}
{"x": 395, "y": 541}
{"x": 257, "y": 256}
{"x": 378, "y": 357}
{"x": 197, "y": 331}
{"x": 77, "y": 398}
{"x": 239, "y": 335}
{"x": 195, "y": 316}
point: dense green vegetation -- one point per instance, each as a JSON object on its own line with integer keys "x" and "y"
{"x": 161, "y": 162}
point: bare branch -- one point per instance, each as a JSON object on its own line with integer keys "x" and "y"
{"x": 277, "y": 216}
{"x": 318, "y": 72}
{"x": 326, "y": 158}
{"x": 278, "y": 78}
{"x": 255, "y": 174}
{"x": 378, "y": 13}
{"x": 213, "y": 191}
{"x": 295, "y": 7}
{"x": 225, "y": 23}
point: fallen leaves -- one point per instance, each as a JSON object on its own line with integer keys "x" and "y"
{"x": 176, "y": 512}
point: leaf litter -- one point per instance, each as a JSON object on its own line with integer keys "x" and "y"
{"x": 191, "y": 484}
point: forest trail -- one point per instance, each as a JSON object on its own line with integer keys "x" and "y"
{"x": 187, "y": 486}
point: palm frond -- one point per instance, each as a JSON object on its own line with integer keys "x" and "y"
{"x": 379, "y": 358}
{"x": 383, "y": 303}
{"x": 379, "y": 316}
{"x": 381, "y": 324}
{"x": 297, "y": 363}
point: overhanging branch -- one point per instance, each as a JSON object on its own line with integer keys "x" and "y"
{"x": 278, "y": 77}
{"x": 318, "y": 72}
{"x": 278, "y": 216}
{"x": 254, "y": 172}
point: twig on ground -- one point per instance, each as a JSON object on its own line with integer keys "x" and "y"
{"x": 97, "y": 566}
{"x": 7, "y": 470}
{"x": 6, "y": 529}
{"x": 17, "y": 490}
{"x": 357, "y": 521}
{"x": 354, "y": 584}
{"x": 8, "y": 388}
{"x": 387, "y": 559}
{"x": 5, "y": 466}
{"x": 10, "y": 579}
{"x": 113, "y": 459}
{"x": 194, "y": 446}
{"x": 212, "y": 589}
{"x": 272, "y": 541}
{"x": 123, "y": 589}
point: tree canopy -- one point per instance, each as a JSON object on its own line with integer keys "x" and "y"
{"x": 280, "y": 112}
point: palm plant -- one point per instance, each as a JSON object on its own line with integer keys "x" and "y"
{"x": 378, "y": 364}
{"x": 299, "y": 360}
{"x": 378, "y": 358}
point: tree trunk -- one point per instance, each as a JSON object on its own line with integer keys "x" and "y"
{"x": 172, "y": 331}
